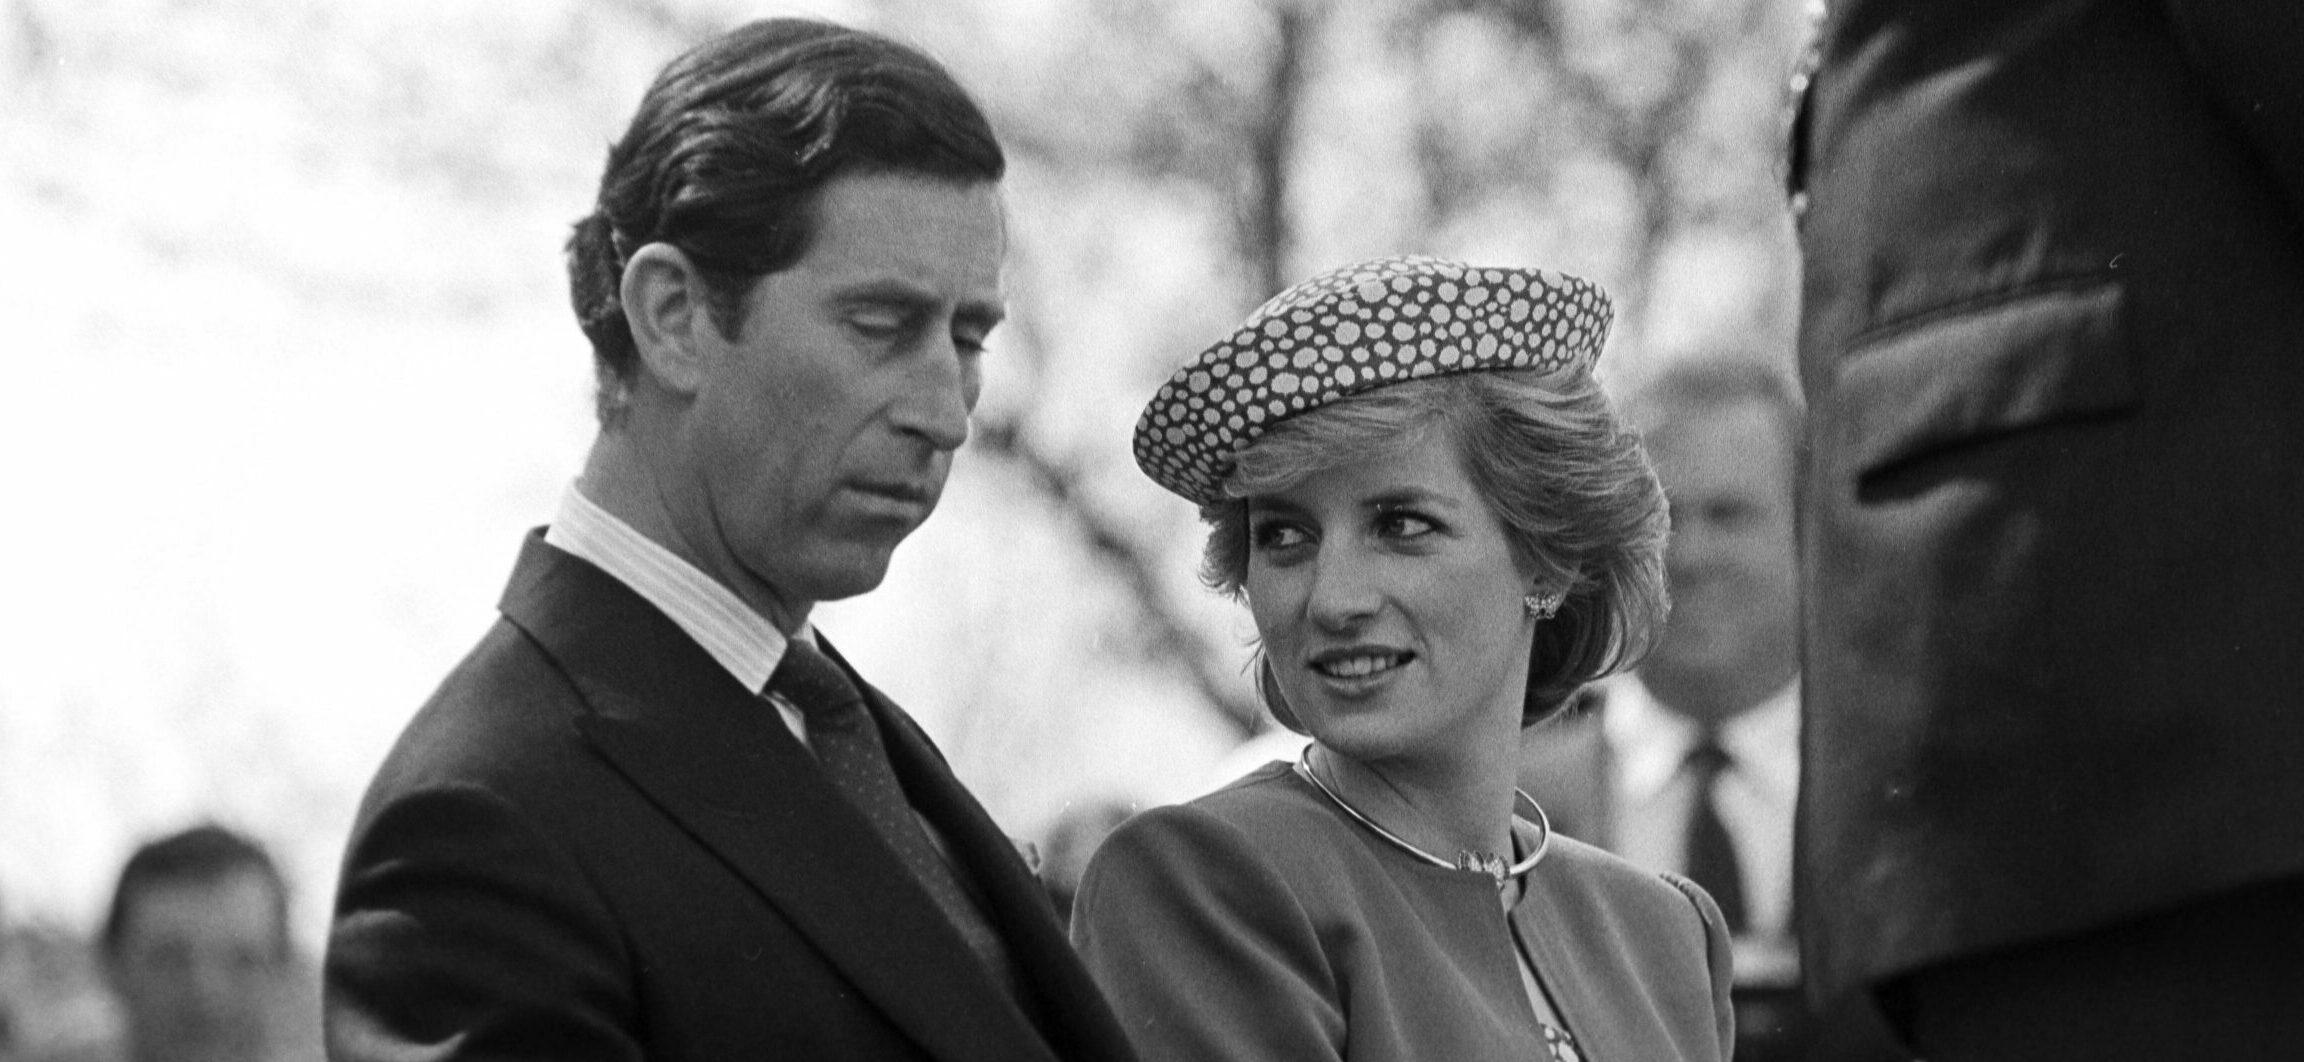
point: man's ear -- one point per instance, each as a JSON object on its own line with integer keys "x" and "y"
{"x": 663, "y": 296}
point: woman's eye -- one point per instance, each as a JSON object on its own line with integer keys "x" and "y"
{"x": 1403, "y": 525}
{"x": 1277, "y": 535}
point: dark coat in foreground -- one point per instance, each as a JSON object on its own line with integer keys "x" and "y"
{"x": 2053, "y": 346}
{"x": 594, "y": 844}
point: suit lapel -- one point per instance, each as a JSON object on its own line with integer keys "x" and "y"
{"x": 718, "y": 761}
{"x": 1074, "y": 1014}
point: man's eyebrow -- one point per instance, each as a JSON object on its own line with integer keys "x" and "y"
{"x": 984, "y": 313}
{"x": 884, "y": 290}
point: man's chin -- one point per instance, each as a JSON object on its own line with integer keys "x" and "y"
{"x": 838, "y": 559}
{"x": 858, "y": 571}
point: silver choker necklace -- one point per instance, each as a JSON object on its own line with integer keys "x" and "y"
{"x": 1488, "y": 863}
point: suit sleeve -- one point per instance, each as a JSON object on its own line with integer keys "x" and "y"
{"x": 461, "y": 934}
{"x": 1720, "y": 958}
{"x": 2250, "y": 54}
{"x": 1203, "y": 949}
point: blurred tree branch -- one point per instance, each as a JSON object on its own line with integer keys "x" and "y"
{"x": 1166, "y": 635}
{"x": 1115, "y": 542}
{"x": 1627, "y": 85}
{"x": 1266, "y": 235}
{"x": 1213, "y": 100}
{"x": 1233, "y": 136}
{"x": 1637, "y": 122}
{"x": 668, "y": 17}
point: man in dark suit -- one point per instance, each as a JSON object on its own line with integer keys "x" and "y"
{"x": 653, "y": 814}
{"x": 1691, "y": 763}
{"x": 2053, "y": 347}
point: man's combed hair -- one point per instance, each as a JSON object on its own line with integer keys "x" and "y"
{"x": 201, "y": 854}
{"x": 730, "y": 147}
{"x": 1579, "y": 503}
{"x": 1697, "y": 385}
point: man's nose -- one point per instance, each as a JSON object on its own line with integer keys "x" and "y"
{"x": 939, "y": 394}
{"x": 218, "y": 984}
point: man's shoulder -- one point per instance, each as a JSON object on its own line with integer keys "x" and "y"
{"x": 502, "y": 713}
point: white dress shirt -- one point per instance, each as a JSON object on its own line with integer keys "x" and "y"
{"x": 742, "y": 640}
{"x": 1655, "y": 793}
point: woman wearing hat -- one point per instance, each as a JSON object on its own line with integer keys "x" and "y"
{"x": 1442, "y": 531}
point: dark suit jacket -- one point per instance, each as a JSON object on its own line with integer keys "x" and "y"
{"x": 594, "y": 844}
{"x": 1258, "y": 924}
{"x": 2053, "y": 346}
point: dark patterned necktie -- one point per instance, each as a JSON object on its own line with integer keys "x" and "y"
{"x": 1711, "y": 853}
{"x": 847, "y": 743}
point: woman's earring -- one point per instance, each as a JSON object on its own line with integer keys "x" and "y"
{"x": 1268, "y": 686}
{"x": 1268, "y": 691}
{"x": 1544, "y": 605}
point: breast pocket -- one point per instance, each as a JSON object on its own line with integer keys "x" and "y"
{"x": 1921, "y": 391}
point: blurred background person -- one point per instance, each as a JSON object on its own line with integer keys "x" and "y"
{"x": 196, "y": 948}
{"x": 1691, "y": 763}
{"x": 54, "y": 1004}
{"x": 1441, "y": 531}
{"x": 2053, "y": 347}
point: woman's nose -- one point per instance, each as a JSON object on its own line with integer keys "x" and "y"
{"x": 1344, "y": 587}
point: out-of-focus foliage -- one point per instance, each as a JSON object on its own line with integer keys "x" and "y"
{"x": 1184, "y": 160}
{"x": 293, "y": 366}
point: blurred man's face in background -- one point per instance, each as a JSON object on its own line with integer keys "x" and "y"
{"x": 1727, "y": 471}
{"x": 198, "y": 967}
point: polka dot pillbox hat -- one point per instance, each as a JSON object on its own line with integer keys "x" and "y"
{"x": 1354, "y": 329}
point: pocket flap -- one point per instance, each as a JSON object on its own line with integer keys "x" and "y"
{"x": 2035, "y": 358}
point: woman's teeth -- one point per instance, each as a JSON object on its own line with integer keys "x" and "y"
{"x": 1360, "y": 666}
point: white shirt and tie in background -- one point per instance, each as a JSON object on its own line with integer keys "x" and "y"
{"x": 1656, "y": 794}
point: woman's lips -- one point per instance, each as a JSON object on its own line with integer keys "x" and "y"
{"x": 1358, "y": 667}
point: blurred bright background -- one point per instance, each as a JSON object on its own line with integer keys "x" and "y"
{"x": 286, "y": 328}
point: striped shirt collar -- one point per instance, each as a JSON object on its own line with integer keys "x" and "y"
{"x": 742, "y": 640}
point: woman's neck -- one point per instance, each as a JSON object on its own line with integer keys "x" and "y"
{"x": 1442, "y": 808}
